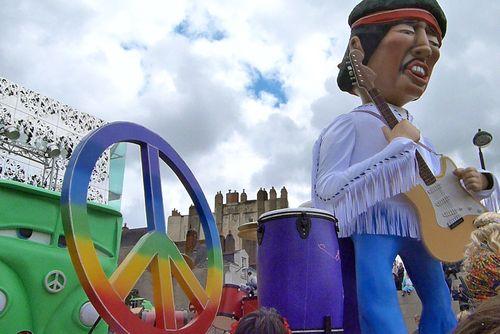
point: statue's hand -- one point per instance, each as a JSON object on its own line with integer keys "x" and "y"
{"x": 473, "y": 180}
{"x": 402, "y": 129}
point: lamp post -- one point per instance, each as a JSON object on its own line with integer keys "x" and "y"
{"x": 482, "y": 139}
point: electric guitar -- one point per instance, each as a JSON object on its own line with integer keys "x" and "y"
{"x": 446, "y": 210}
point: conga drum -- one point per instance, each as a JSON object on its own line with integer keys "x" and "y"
{"x": 299, "y": 270}
{"x": 249, "y": 305}
{"x": 230, "y": 306}
{"x": 248, "y": 231}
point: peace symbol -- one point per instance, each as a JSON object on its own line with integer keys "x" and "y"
{"x": 55, "y": 281}
{"x": 154, "y": 249}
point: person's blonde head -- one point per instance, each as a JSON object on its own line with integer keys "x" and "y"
{"x": 482, "y": 258}
{"x": 488, "y": 233}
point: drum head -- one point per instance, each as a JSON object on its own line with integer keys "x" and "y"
{"x": 294, "y": 212}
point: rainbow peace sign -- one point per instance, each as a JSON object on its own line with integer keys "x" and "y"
{"x": 154, "y": 248}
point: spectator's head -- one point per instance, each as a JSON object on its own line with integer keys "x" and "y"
{"x": 264, "y": 320}
{"x": 487, "y": 234}
{"x": 482, "y": 258}
{"x": 486, "y": 319}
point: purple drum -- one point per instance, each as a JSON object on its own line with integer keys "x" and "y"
{"x": 299, "y": 268}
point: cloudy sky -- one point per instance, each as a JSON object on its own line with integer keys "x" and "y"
{"x": 240, "y": 89}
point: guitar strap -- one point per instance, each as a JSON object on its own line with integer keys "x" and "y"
{"x": 374, "y": 114}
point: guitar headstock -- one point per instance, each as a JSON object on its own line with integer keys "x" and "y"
{"x": 361, "y": 75}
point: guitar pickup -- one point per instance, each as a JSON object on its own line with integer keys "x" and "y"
{"x": 456, "y": 223}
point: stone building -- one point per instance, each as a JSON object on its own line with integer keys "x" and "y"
{"x": 230, "y": 214}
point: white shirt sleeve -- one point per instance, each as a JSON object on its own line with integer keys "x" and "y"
{"x": 334, "y": 172}
{"x": 490, "y": 197}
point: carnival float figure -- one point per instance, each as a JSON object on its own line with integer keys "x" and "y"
{"x": 382, "y": 178}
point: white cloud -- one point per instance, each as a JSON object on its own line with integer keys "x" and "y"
{"x": 193, "y": 90}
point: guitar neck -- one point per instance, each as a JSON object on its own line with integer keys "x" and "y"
{"x": 383, "y": 107}
{"x": 423, "y": 170}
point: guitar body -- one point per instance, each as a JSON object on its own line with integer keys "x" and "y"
{"x": 446, "y": 213}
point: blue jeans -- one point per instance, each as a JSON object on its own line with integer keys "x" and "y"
{"x": 378, "y": 306}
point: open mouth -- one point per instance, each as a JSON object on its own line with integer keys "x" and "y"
{"x": 418, "y": 71}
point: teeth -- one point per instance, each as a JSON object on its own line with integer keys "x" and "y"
{"x": 418, "y": 70}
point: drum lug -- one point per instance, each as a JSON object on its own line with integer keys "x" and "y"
{"x": 260, "y": 234}
{"x": 303, "y": 225}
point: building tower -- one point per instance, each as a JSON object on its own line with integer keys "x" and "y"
{"x": 243, "y": 197}
{"x": 219, "y": 201}
{"x": 232, "y": 197}
{"x": 272, "y": 199}
{"x": 284, "y": 198}
{"x": 261, "y": 199}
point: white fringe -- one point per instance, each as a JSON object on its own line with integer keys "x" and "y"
{"x": 383, "y": 218}
{"x": 384, "y": 180}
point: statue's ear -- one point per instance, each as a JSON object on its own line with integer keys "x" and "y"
{"x": 355, "y": 44}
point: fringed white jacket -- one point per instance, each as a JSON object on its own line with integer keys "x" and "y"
{"x": 360, "y": 178}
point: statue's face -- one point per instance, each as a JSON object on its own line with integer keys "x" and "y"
{"x": 403, "y": 61}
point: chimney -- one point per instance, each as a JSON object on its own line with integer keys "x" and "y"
{"x": 262, "y": 194}
{"x": 243, "y": 197}
{"x": 232, "y": 197}
{"x": 284, "y": 193}
{"x": 219, "y": 199}
{"x": 272, "y": 193}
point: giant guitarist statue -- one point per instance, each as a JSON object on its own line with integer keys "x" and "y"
{"x": 381, "y": 177}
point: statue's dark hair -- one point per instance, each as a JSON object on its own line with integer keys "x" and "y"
{"x": 370, "y": 37}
